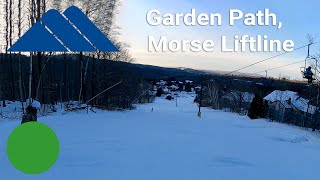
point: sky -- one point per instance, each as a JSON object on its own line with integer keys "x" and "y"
{"x": 299, "y": 18}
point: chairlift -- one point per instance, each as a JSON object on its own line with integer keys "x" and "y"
{"x": 307, "y": 74}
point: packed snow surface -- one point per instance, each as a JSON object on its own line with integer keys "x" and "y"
{"x": 160, "y": 141}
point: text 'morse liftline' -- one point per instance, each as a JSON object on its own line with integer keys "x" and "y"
{"x": 239, "y": 43}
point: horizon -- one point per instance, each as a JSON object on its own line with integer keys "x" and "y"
{"x": 295, "y": 27}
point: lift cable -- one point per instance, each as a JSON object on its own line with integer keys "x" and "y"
{"x": 280, "y": 66}
{"x": 267, "y": 59}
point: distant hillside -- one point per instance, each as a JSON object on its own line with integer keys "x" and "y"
{"x": 155, "y": 72}
{"x": 147, "y": 71}
{"x": 71, "y": 77}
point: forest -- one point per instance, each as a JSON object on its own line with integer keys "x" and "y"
{"x": 99, "y": 79}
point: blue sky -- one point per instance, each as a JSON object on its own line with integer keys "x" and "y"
{"x": 298, "y": 17}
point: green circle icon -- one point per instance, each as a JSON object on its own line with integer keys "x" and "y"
{"x": 33, "y": 148}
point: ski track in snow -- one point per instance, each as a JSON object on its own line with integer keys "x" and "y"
{"x": 172, "y": 143}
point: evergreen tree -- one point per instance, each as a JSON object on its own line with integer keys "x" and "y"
{"x": 188, "y": 87}
{"x": 159, "y": 92}
{"x": 316, "y": 121}
{"x": 257, "y": 108}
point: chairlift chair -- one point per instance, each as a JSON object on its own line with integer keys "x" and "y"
{"x": 307, "y": 75}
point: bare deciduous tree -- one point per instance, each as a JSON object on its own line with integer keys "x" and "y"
{"x": 213, "y": 93}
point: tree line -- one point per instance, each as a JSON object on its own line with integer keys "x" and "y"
{"x": 51, "y": 78}
{"x": 244, "y": 95}
{"x": 69, "y": 78}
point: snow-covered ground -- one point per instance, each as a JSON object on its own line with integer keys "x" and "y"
{"x": 172, "y": 143}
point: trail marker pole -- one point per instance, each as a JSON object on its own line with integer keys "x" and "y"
{"x": 200, "y": 101}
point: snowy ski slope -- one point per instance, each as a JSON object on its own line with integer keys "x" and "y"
{"x": 172, "y": 143}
